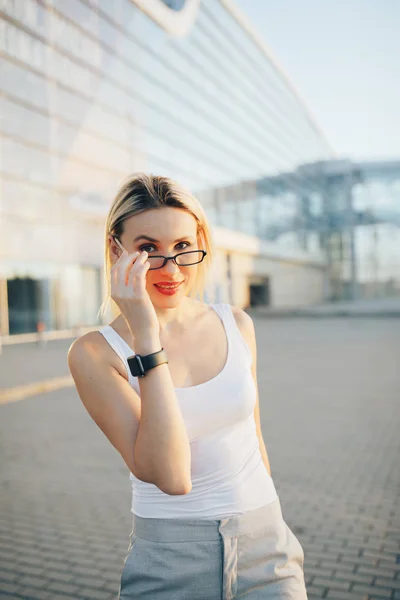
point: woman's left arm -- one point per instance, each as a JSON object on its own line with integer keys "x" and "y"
{"x": 246, "y": 326}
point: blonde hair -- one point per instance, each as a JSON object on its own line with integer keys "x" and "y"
{"x": 141, "y": 192}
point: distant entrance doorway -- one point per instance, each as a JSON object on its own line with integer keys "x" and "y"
{"x": 25, "y": 304}
{"x": 260, "y": 292}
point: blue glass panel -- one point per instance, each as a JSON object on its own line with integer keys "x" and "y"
{"x": 174, "y": 4}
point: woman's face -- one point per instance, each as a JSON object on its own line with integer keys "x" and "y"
{"x": 171, "y": 230}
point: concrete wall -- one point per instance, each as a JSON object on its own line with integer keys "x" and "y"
{"x": 295, "y": 279}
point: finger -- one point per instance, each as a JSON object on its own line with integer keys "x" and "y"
{"x": 119, "y": 270}
{"x": 143, "y": 280}
{"x": 114, "y": 277}
{"x": 120, "y": 261}
{"x": 125, "y": 265}
{"x": 131, "y": 265}
{"x": 138, "y": 272}
{"x": 122, "y": 255}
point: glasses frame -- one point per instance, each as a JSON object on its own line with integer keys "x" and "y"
{"x": 167, "y": 258}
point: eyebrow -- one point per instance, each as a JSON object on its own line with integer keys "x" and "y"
{"x": 150, "y": 239}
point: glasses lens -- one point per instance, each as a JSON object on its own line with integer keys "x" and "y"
{"x": 155, "y": 262}
{"x": 189, "y": 258}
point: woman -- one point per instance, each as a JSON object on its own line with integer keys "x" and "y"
{"x": 207, "y": 521}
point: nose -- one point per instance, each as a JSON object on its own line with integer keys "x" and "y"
{"x": 170, "y": 267}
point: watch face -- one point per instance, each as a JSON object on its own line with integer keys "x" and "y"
{"x": 175, "y": 4}
{"x": 135, "y": 366}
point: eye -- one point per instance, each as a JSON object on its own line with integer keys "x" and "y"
{"x": 145, "y": 247}
{"x": 186, "y": 244}
{"x": 178, "y": 246}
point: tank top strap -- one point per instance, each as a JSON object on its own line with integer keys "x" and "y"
{"x": 233, "y": 331}
{"x": 119, "y": 346}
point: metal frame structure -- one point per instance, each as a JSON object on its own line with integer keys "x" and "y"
{"x": 338, "y": 220}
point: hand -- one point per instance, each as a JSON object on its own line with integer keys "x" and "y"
{"x": 128, "y": 290}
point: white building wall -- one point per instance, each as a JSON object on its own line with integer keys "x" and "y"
{"x": 294, "y": 279}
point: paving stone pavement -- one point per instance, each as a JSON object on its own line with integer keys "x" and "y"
{"x": 21, "y": 364}
{"x": 329, "y": 396}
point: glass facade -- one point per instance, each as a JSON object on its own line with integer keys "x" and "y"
{"x": 92, "y": 90}
{"x": 348, "y": 209}
{"x": 377, "y": 241}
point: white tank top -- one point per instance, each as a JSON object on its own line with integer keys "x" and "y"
{"x": 227, "y": 471}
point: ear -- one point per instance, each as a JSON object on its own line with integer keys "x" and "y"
{"x": 114, "y": 250}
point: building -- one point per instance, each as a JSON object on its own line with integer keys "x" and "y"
{"x": 93, "y": 90}
{"x": 353, "y": 209}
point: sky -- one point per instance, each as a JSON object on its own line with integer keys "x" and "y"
{"x": 343, "y": 57}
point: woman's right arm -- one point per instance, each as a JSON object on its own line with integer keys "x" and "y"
{"x": 147, "y": 430}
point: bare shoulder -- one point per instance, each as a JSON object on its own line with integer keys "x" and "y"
{"x": 246, "y": 327}
{"x": 86, "y": 344}
{"x": 92, "y": 346}
{"x": 84, "y": 350}
{"x": 243, "y": 320}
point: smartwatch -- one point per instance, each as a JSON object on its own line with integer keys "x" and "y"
{"x": 139, "y": 365}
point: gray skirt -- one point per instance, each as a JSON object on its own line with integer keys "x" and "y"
{"x": 254, "y": 555}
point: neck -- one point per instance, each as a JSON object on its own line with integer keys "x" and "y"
{"x": 176, "y": 318}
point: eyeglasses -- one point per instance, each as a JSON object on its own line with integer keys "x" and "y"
{"x": 182, "y": 259}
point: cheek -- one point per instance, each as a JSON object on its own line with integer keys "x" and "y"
{"x": 189, "y": 273}
{"x": 151, "y": 279}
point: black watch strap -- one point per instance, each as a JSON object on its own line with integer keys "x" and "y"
{"x": 139, "y": 365}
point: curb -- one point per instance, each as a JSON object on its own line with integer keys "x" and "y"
{"x": 296, "y": 314}
{"x": 21, "y": 392}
